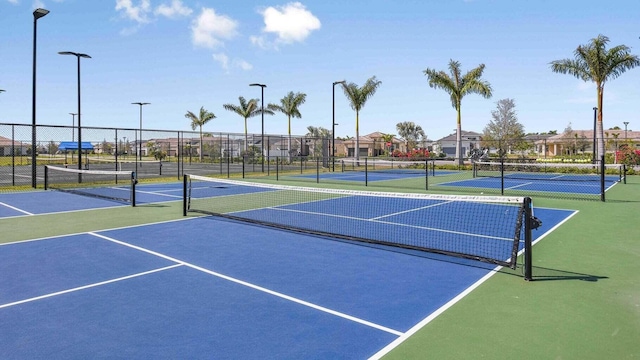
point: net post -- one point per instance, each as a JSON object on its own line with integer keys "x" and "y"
{"x": 602, "y": 171}
{"x": 426, "y": 173}
{"x": 277, "y": 170}
{"x": 624, "y": 172}
{"x": 317, "y": 171}
{"x": 528, "y": 214}
{"x": 46, "y": 177}
{"x": 366, "y": 173}
{"x": 184, "y": 195}
{"x": 244, "y": 158}
{"x": 502, "y": 176}
{"x": 134, "y": 181}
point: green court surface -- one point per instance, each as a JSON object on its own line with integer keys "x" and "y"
{"x": 584, "y": 302}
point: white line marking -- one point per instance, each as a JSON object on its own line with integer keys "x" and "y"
{"x": 158, "y": 194}
{"x": 15, "y": 208}
{"x": 255, "y": 287}
{"x": 88, "y": 286}
{"x": 411, "y": 210}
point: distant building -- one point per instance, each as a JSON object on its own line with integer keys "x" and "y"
{"x": 10, "y": 147}
{"x": 447, "y": 144}
{"x": 370, "y": 145}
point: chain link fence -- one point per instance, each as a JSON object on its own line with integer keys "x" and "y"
{"x": 154, "y": 155}
{"x": 161, "y": 155}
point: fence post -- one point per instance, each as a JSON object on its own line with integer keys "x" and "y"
{"x": 602, "y": 176}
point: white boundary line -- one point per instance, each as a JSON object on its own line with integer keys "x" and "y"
{"x": 87, "y": 286}
{"x": 16, "y": 209}
{"x": 252, "y": 286}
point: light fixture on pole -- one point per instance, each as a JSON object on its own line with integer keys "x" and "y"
{"x": 595, "y": 117}
{"x": 333, "y": 124}
{"x": 141, "y": 104}
{"x": 73, "y": 125}
{"x": 262, "y": 86}
{"x": 37, "y": 14}
{"x": 78, "y": 56}
{"x": 625, "y": 130}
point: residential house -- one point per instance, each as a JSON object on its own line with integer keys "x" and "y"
{"x": 10, "y": 147}
{"x": 447, "y": 144}
{"x": 372, "y": 145}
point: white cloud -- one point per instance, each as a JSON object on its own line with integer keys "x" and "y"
{"x": 291, "y": 23}
{"x": 175, "y": 10}
{"x": 15, "y": 2}
{"x": 242, "y": 64}
{"x": 209, "y": 28}
{"x": 138, "y": 13}
{"x": 223, "y": 59}
{"x": 261, "y": 42}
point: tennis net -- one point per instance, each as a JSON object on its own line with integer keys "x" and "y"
{"x": 111, "y": 185}
{"x": 413, "y": 167}
{"x": 484, "y": 228}
{"x": 550, "y": 171}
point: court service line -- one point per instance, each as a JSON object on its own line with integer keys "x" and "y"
{"x": 88, "y": 286}
{"x": 159, "y": 194}
{"x": 253, "y": 286}
{"x": 411, "y": 210}
{"x": 15, "y": 208}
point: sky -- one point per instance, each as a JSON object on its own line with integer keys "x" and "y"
{"x": 181, "y": 55}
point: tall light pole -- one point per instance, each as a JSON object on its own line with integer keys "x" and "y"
{"x": 37, "y": 14}
{"x": 141, "y": 104}
{"x": 333, "y": 124}
{"x": 73, "y": 125}
{"x": 595, "y": 116}
{"x": 78, "y": 56}
{"x": 262, "y": 86}
{"x": 625, "y": 130}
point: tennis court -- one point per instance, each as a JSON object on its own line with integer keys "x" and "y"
{"x": 209, "y": 287}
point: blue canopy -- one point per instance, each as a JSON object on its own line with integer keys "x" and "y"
{"x": 73, "y": 145}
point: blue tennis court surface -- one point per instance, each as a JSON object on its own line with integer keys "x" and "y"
{"x": 45, "y": 202}
{"x": 213, "y": 288}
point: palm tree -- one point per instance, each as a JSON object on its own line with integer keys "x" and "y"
{"x": 593, "y": 62}
{"x": 318, "y": 133}
{"x": 411, "y": 133}
{"x": 289, "y": 106}
{"x": 387, "y": 138}
{"x": 198, "y": 121}
{"x": 458, "y": 85}
{"x": 357, "y": 97}
{"x": 246, "y": 109}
